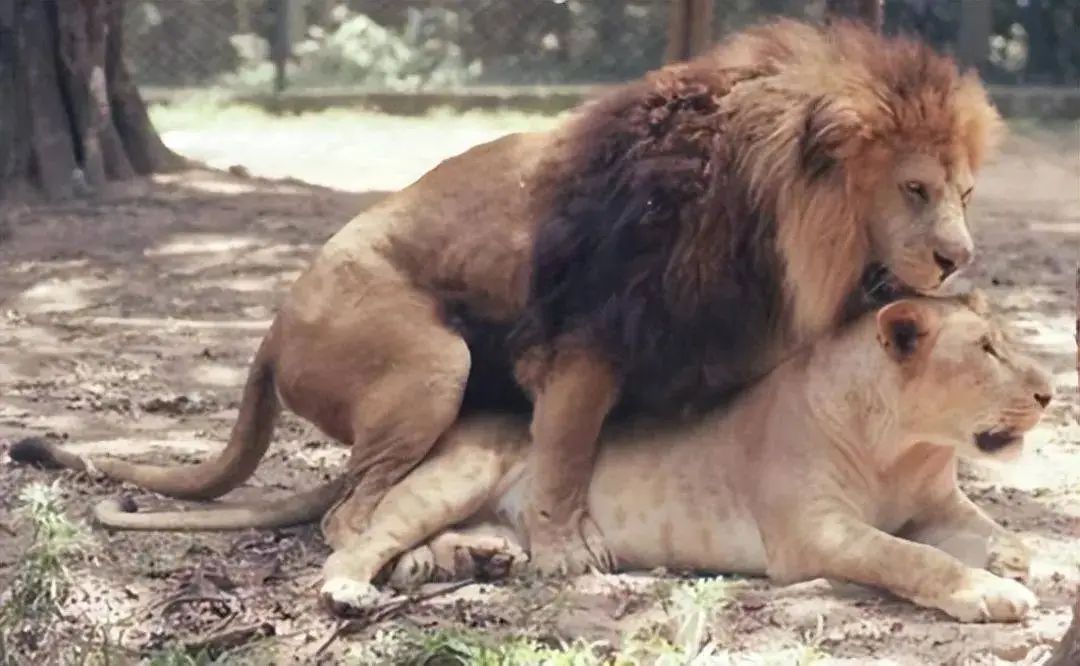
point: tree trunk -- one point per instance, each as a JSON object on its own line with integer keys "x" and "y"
{"x": 71, "y": 119}
{"x": 868, "y": 11}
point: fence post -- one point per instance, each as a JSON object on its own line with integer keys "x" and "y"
{"x": 690, "y": 29}
{"x": 279, "y": 44}
{"x": 288, "y": 27}
{"x": 976, "y": 20}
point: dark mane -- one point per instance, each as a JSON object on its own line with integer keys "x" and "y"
{"x": 647, "y": 251}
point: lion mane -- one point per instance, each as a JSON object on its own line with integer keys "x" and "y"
{"x": 694, "y": 222}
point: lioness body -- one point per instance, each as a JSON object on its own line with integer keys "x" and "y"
{"x": 808, "y": 474}
{"x": 662, "y": 249}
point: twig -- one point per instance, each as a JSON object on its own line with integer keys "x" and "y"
{"x": 233, "y": 638}
{"x": 384, "y": 611}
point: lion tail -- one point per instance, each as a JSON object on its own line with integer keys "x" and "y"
{"x": 304, "y": 507}
{"x": 259, "y": 408}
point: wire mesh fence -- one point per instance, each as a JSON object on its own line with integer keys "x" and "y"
{"x": 415, "y": 45}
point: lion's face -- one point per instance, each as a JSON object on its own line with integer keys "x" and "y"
{"x": 918, "y": 224}
{"x": 966, "y": 383}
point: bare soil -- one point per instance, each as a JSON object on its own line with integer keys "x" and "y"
{"x": 127, "y": 322}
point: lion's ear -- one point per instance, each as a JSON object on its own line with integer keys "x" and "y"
{"x": 832, "y": 131}
{"x": 904, "y": 329}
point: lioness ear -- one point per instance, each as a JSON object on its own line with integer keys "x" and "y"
{"x": 832, "y": 131}
{"x": 904, "y": 329}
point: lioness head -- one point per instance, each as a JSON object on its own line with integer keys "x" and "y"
{"x": 964, "y": 381}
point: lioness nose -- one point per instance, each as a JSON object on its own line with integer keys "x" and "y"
{"x": 1043, "y": 399}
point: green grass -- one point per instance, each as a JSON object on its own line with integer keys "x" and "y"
{"x": 41, "y": 580}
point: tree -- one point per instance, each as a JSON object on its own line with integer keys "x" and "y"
{"x": 71, "y": 118}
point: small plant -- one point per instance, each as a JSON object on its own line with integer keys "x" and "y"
{"x": 42, "y": 580}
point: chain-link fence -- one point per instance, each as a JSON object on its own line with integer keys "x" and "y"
{"x": 418, "y": 45}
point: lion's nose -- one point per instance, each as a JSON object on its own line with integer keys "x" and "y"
{"x": 1043, "y": 399}
{"x": 952, "y": 259}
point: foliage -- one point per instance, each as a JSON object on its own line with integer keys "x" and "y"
{"x": 41, "y": 581}
{"x": 422, "y": 44}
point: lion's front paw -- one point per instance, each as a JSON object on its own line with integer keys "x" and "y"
{"x": 1009, "y": 557}
{"x": 989, "y": 598}
{"x": 570, "y": 550}
{"x": 345, "y": 596}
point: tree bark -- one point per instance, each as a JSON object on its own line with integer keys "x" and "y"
{"x": 868, "y": 11}
{"x": 71, "y": 119}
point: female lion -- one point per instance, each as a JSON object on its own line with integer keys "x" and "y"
{"x": 840, "y": 464}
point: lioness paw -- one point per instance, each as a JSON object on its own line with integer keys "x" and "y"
{"x": 345, "y": 596}
{"x": 990, "y": 598}
{"x": 415, "y": 568}
{"x": 492, "y": 559}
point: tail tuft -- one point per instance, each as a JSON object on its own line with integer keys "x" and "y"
{"x": 34, "y": 451}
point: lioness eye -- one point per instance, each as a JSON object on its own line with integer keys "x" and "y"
{"x": 988, "y": 347}
{"x": 915, "y": 188}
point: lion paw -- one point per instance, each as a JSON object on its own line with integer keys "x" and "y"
{"x": 990, "y": 598}
{"x": 569, "y": 552}
{"x": 345, "y": 596}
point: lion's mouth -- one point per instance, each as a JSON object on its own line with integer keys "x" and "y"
{"x": 880, "y": 286}
{"x": 990, "y": 441}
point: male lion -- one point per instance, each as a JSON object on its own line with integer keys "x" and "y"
{"x": 669, "y": 244}
{"x": 809, "y": 473}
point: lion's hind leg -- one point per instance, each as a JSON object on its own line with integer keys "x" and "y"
{"x": 446, "y": 489}
{"x": 484, "y": 551}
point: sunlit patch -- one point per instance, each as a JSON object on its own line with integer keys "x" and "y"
{"x": 69, "y": 295}
{"x": 216, "y": 374}
{"x": 215, "y": 185}
{"x": 182, "y": 244}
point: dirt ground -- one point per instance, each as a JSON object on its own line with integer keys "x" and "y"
{"x": 127, "y": 322}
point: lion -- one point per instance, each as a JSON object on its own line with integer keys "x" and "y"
{"x": 656, "y": 253}
{"x": 841, "y": 463}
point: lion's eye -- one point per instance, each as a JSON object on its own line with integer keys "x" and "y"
{"x": 966, "y": 196}
{"x": 917, "y": 189}
{"x": 988, "y": 347}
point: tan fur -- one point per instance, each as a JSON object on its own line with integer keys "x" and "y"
{"x": 821, "y": 470}
{"x": 363, "y": 345}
